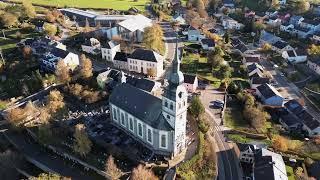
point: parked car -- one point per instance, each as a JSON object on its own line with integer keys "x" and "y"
{"x": 218, "y": 103}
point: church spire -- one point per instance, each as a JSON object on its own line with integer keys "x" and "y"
{"x": 176, "y": 76}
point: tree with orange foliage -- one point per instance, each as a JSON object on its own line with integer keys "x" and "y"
{"x": 142, "y": 173}
{"x": 280, "y": 143}
{"x": 26, "y": 52}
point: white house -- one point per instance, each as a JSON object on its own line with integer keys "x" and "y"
{"x": 255, "y": 70}
{"x": 282, "y": 2}
{"x": 143, "y": 61}
{"x": 194, "y": 34}
{"x": 269, "y": 95}
{"x": 109, "y": 50}
{"x": 295, "y": 56}
{"x": 314, "y": 64}
{"x": 120, "y": 61}
{"x": 159, "y": 124}
{"x": 229, "y": 23}
{"x": 178, "y": 18}
{"x": 49, "y": 61}
{"x": 91, "y": 46}
{"x": 190, "y": 82}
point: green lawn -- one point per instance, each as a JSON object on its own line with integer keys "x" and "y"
{"x": 290, "y": 172}
{"x": 255, "y": 5}
{"x": 97, "y": 4}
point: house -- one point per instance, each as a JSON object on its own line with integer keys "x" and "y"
{"x": 314, "y": 64}
{"x": 207, "y": 44}
{"x": 228, "y": 3}
{"x": 109, "y": 50}
{"x": 159, "y": 124}
{"x": 269, "y": 38}
{"x": 296, "y": 20}
{"x": 144, "y": 84}
{"x": 257, "y": 81}
{"x": 265, "y": 164}
{"x": 120, "y": 61}
{"x": 313, "y": 24}
{"x": 132, "y": 29}
{"x": 239, "y": 46}
{"x": 310, "y": 124}
{"x": 247, "y": 152}
{"x": 269, "y": 95}
{"x": 295, "y": 56}
{"x": 290, "y": 122}
{"x": 269, "y": 165}
{"x": 194, "y": 34}
{"x": 274, "y": 21}
{"x": 41, "y": 45}
{"x": 247, "y": 60}
{"x": 316, "y": 37}
{"x": 178, "y": 18}
{"x": 91, "y": 46}
{"x": 142, "y": 61}
{"x": 229, "y": 23}
{"x": 281, "y": 46}
{"x": 105, "y": 78}
{"x": 249, "y": 13}
{"x": 287, "y": 27}
{"x": 282, "y": 2}
{"x": 190, "y": 82}
{"x": 49, "y": 61}
{"x": 255, "y": 70}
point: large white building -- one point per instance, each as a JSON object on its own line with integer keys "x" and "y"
{"x": 142, "y": 61}
{"x": 109, "y": 50}
{"x": 158, "y": 124}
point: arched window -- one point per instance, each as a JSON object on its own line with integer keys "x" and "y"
{"x": 139, "y": 129}
{"x": 163, "y": 141}
{"x": 149, "y": 135}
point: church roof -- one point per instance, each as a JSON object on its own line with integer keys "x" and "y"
{"x": 142, "y": 105}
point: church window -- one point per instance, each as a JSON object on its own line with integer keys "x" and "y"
{"x": 163, "y": 141}
{"x": 166, "y": 103}
{"x": 179, "y": 106}
{"x": 114, "y": 114}
{"x": 122, "y": 119}
{"x": 139, "y": 129}
{"x": 168, "y": 117}
{"x": 149, "y": 136}
{"x": 131, "y": 124}
{"x": 171, "y": 106}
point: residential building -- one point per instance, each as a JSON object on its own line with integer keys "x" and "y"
{"x": 269, "y": 38}
{"x": 257, "y": 81}
{"x": 109, "y": 50}
{"x": 269, "y": 165}
{"x": 91, "y": 46}
{"x": 109, "y": 79}
{"x": 41, "y": 45}
{"x": 312, "y": 24}
{"x": 120, "y": 61}
{"x": 290, "y": 122}
{"x": 274, "y": 21}
{"x": 255, "y": 70}
{"x": 190, "y": 82}
{"x": 296, "y": 20}
{"x": 281, "y": 46}
{"x": 228, "y": 3}
{"x": 49, "y": 61}
{"x": 314, "y": 168}
{"x": 207, "y": 44}
{"x": 178, "y": 18}
{"x": 229, "y": 23}
{"x": 310, "y": 124}
{"x": 269, "y": 95}
{"x": 248, "y": 60}
{"x": 194, "y": 34}
{"x": 239, "y": 46}
{"x": 158, "y": 124}
{"x": 295, "y": 56}
{"x": 247, "y": 152}
{"x": 142, "y": 60}
{"x": 314, "y": 64}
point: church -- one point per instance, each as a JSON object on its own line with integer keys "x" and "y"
{"x": 158, "y": 124}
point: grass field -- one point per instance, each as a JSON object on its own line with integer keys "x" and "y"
{"x": 99, "y": 4}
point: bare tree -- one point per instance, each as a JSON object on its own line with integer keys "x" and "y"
{"x": 85, "y": 66}
{"x": 280, "y": 143}
{"x": 55, "y": 101}
{"x": 142, "y": 173}
{"x": 112, "y": 170}
{"x": 82, "y": 144}
{"x": 62, "y": 72}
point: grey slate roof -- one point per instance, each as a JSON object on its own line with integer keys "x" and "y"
{"x": 144, "y": 54}
{"x": 141, "y": 104}
{"x": 189, "y": 78}
{"x": 209, "y": 42}
{"x": 144, "y": 84}
{"x": 280, "y": 44}
{"x": 267, "y": 92}
{"x": 109, "y": 45}
{"x": 121, "y": 56}
{"x": 59, "y": 53}
{"x": 259, "y": 80}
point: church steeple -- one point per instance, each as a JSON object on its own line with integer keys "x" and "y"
{"x": 175, "y": 77}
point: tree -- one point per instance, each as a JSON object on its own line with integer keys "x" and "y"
{"x": 298, "y": 172}
{"x": 226, "y": 37}
{"x": 301, "y": 6}
{"x": 55, "y": 101}
{"x": 152, "y": 38}
{"x": 215, "y": 57}
{"x": 44, "y": 115}
{"x": 26, "y": 52}
{"x": 224, "y": 71}
{"x": 62, "y": 72}
{"x": 213, "y": 4}
{"x": 275, "y": 4}
{"x": 112, "y": 170}
{"x": 151, "y": 72}
{"x": 199, "y": 5}
{"x": 9, "y": 20}
{"x": 85, "y": 66}
{"x": 82, "y": 144}
{"x": 28, "y": 8}
{"x": 50, "y": 17}
{"x": 280, "y": 143}
{"x": 314, "y": 50}
{"x": 256, "y": 116}
{"x": 266, "y": 47}
{"x": 44, "y": 133}
{"x": 196, "y": 108}
{"x": 50, "y": 29}
{"x": 49, "y": 176}
{"x": 141, "y": 173}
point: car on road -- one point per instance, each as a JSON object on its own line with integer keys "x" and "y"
{"x": 218, "y": 103}
{"x": 282, "y": 74}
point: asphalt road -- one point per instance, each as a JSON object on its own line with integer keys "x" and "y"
{"x": 228, "y": 163}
